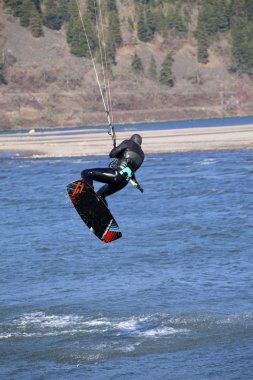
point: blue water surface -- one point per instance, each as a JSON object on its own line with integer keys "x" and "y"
{"x": 151, "y": 126}
{"x": 171, "y": 299}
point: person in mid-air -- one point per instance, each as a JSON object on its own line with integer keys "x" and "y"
{"x": 128, "y": 157}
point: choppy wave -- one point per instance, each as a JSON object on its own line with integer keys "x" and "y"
{"x": 41, "y": 324}
{"x": 206, "y": 161}
{"x": 171, "y": 297}
{"x": 10, "y": 155}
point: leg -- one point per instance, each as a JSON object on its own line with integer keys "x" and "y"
{"x": 114, "y": 181}
{"x": 104, "y": 175}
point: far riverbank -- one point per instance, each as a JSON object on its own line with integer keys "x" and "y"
{"x": 156, "y": 139}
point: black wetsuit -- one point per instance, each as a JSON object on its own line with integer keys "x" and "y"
{"x": 128, "y": 158}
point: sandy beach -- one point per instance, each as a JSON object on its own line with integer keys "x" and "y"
{"x": 69, "y": 143}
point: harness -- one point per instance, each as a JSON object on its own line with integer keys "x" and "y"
{"x": 126, "y": 172}
{"x": 122, "y": 169}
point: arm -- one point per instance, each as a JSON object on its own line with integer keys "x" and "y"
{"x": 118, "y": 149}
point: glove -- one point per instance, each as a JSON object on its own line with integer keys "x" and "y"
{"x": 135, "y": 184}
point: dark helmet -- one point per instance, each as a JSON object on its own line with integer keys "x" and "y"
{"x": 136, "y": 138}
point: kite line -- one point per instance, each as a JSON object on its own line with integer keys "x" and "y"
{"x": 105, "y": 91}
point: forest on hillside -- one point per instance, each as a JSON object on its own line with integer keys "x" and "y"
{"x": 146, "y": 18}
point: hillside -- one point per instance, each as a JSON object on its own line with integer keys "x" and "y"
{"x": 46, "y": 86}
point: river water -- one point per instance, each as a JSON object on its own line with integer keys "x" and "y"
{"x": 171, "y": 299}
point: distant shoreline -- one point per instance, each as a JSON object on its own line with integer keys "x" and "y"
{"x": 89, "y": 143}
{"x": 144, "y": 125}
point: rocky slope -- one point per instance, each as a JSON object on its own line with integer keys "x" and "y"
{"x": 49, "y": 87}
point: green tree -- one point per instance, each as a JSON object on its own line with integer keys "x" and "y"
{"x": 52, "y": 18}
{"x": 166, "y": 74}
{"x": 36, "y": 23}
{"x": 203, "y": 44}
{"x": 111, "y": 49}
{"x": 152, "y": 70}
{"x": 144, "y": 32}
{"x": 76, "y": 37}
{"x": 73, "y": 10}
{"x": 237, "y": 8}
{"x": 114, "y": 28}
{"x": 222, "y": 9}
{"x": 112, "y": 6}
{"x": 24, "y": 12}
{"x": 214, "y": 16}
{"x": 75, "y": 30}
{"x": 249, "y": 9}
{"x": 151, "y": 22}
{"x": 137, "y": 64}
{"x": 13, "y": 5}
{"x": 2, "y": 78}
{"x": 178, "y": 24}
{"x": 92, "y": 10}
{"x": 113, "y": 39}
{"x": 63, "y": 8}
{"x": 160, "y": 21}
{"x": 242, "y": 45}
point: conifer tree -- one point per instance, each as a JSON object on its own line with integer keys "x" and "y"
{"x": 166, "y": 75}
{"x": 144, "y": 32}
{"x": 152, "y": 70}
{"x": 2, "y": 78}
{"x": 242, "y": 45}
{"x": 36, "y": 23}
{"x": 114, "y": 38}
{"x": 237, "y": 8}
{"x": 178, "y": 23}
{"x": 137, "y": 64}
{"x": 24, "y": 12}
{"x": 249, "y": 9}
{"x": 77, "y": 39}
{"x": 160, "y": 21}
{"x": 37, "y": 4}
{"x": 73, "y": 10}
{"x": 52, "y": 17}
{"x": 110, "y": 49}
{"x": 13, "y": 5}
{"x": 63, "y": 9}
{"x": 222, "y": 10}
{"x": 92, "y": 10}
{"x": 203, "y": 44}
{"x": 203, "y": 32}
{"x": 73, "y": 27}
{"x": 112, "y": 6}
{"x": 114, "y": 28}
{"x": 151, "y": 23}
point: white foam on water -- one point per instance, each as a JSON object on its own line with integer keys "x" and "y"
{"x": 5, "y": 336}
{"x": 40, "y": 324}
{"x": 128, "y": 325}
{"x": 206, "y": 161}
{"x": 163, "y": 331}
{"x": 97, "y": 322}
{"x": 129, "y": 348}
{"x": 44, "y": 321}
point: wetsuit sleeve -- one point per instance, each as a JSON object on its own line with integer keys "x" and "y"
{"x": 115, "y": 152}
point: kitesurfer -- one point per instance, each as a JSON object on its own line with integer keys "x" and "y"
{"x": 128, "y": 157}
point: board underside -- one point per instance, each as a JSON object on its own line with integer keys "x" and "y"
{"x": 93, "y": 211}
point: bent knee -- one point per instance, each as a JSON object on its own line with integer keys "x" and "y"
{"x": 85, "y": 173}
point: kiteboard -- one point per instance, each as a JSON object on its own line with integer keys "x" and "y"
{"x": 93, "y": 211}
